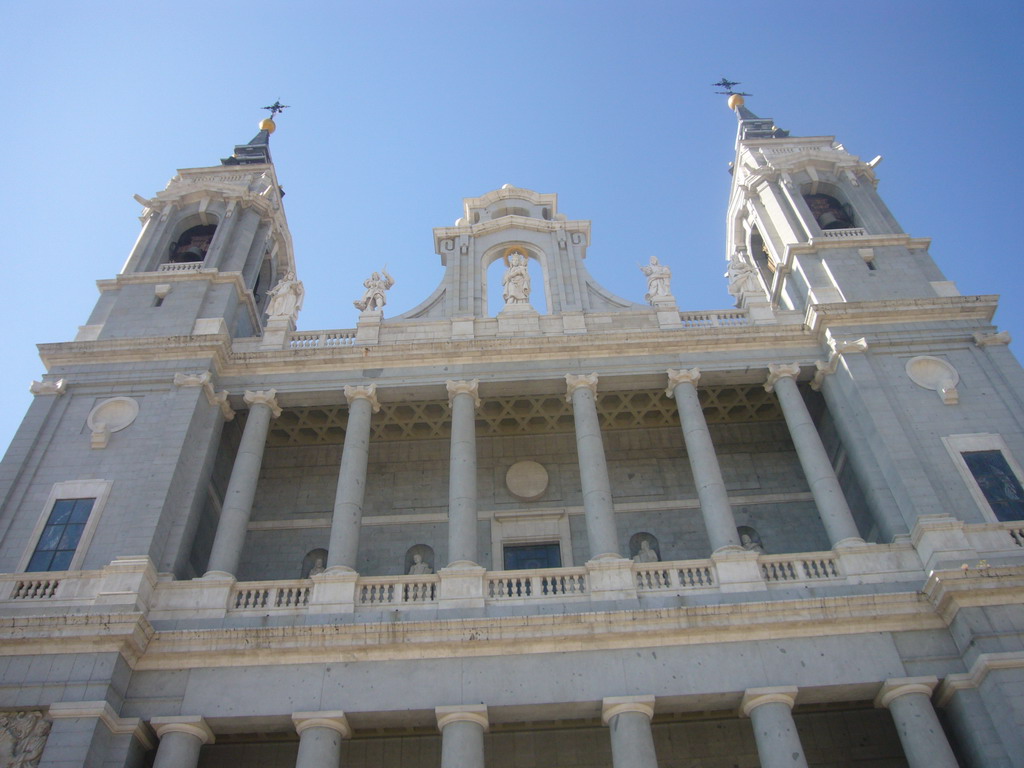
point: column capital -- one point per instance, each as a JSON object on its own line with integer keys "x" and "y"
{"x": 266, "y": 397}
{"x": 470, "y": 387}
{"x": 472, "y": 713}
{"x": 193, "y": 725}
{"x": 781, "y": 371}
{"x": 574, "y": 381}
{"x": 682, "y": 376}
{"x": 333, "y": 719}
{"x": 369, "y": 392}
{"x": 755, "y": 697}
{"x": 895, "y": 687}
{"x": 611, "y": 706}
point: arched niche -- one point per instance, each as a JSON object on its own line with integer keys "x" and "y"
{"x": 419, "y": 560}
{"x": 828, "y": 207}
{"x": 191, "y": 240}
{"x": 496, "y": 262}
{"x": 313, "y": 563}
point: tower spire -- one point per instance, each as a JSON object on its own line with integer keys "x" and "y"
{"x": 258, "y": 148}
{"x": 750, "y": 125}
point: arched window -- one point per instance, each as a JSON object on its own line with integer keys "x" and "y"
{"x": 829, "y": 212}
{"x": 192, "y": 244}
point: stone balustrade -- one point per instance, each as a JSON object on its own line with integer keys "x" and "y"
{"x": 843, "y": 234}
{"x": 187, "y": 266}
{"x": 322, "y": 339}
{"x": 815, "y": 566}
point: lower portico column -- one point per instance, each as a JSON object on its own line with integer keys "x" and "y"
{"x": 180, "y": 740}
{"x": 821, "y": 477}
{"x": 237, "y": 507}
{"x": 629, "y": 721}
{"x": 320, "y": 735}
{"x": 771, "y": 713}
{"x": 909, "y": 700}
{"x": 462, "y": 501}
{"x": 707, "y": 475}
{"x": 602, "y": 537}
{"x": 462, "y": 735}
{"x": 348, "y": 499}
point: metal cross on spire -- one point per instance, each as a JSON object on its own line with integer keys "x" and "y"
{"x": 276, "y": 107}
{"x": 728, "y": 84}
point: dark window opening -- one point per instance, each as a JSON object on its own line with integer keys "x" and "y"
{"x": 193, "y": 244}
{"x": 829, "y": 212}
{"x": 521, "y": 557}
{"x": 997, "y": 481}
{"x": 61, "y": 534}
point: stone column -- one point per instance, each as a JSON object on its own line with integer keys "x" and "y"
{"x": 909, "y": 701}
{"x": 234, "y": 515}
{"x": 348, "y": 500}
{"x": 707, "y": 475}
{"x": 602, "y": 537}
{"x": 629, "y": 721}
{"x": 771, "y": 712}
{"x": 462, "y": 735}
{"x": 828, "y": 496}
{"x": 180, "y": 740}
{"x": 320, "y": 735}
{"x": 462, "y": 501}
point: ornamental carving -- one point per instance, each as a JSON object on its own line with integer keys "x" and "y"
{"x": 574, "y": 381}
{"x": 22, "y": 738}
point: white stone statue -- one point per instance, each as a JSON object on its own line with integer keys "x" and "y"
{"x": 318, "y": 566}
{"x": 374, "y": 296}
{"x": 22, "y": 738}
{"x": 750, "y": 544}
{"x": 645, "y": 553}
{"x": 658, "y": 279}
{"x": 742, "y": 276}
{"x": 418, "y": 567}
{"x": 286, "y": 298}
{"x": 516, "y": 280}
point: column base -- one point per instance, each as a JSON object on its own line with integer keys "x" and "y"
{"x": 218, "y": 576}
{"x": 462, "y": 585}
{"x": 849, "y": 541}
{"x": 334, "y": 591}
{"x": 738, "y": 570}
{"x": 610, "y": 577}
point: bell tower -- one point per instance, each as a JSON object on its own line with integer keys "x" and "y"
{"x": 807, "y": 226}
{"x": 213, "y": 243}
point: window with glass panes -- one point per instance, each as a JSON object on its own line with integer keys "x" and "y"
{"x": 61, "y": 534}
{"x": 997, "y": 481}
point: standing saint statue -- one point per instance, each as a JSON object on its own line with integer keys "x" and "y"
{"x": 286, "y": 298}
{"x": 658, "y": 277}
{"x": 516, "y": 280}
{"x": 742, "y": 276}
{"x": 374, "y": 295}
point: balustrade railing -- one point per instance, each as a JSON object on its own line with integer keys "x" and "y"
{"x": 714, "y": 319}
{"x": 255, "y": 595}
{"x": 813, "y": 567}
{"x": 842, "y": 234}
{"x": 1016, "y": 534}
{"x": 551, "y": 582}
{"x": 655, "y": 577}
{"x": 35, "y": 589}
{"x": 323, "y": 339}
{"x": 397, "y": 590}
{"x": 186, "y": 266}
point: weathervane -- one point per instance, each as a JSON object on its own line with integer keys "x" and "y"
{"x": 728, "y": 84}
{"x": 276, "y": 107}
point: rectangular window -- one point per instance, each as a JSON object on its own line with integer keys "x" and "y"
{"x": 1002, "y": 489}
{"x": 61, "y": 534}
{"x": 522, "y": 557}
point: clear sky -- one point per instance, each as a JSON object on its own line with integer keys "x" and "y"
{"x": 402, "y": 109}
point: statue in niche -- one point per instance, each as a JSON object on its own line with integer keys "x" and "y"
{"x": 22, "y": 738}
{"x": 419, "y": 567}
{"x": 658, "y": 281}
{"x": 318, "y": 566}
{"x": 750, "y": 540}
{"x": 285, "y": 298}
{"x": 374, "y": 296}
{"x": 742, "y": 276}
{"x": 645, "y": 554}
{"x": 516, "y": 280}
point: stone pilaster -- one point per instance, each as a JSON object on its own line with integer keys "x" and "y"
{"x": 771, "y": 712}
{"x": 180, "y": 740}
{"x": 462, "y": 502}
{"x": 629, "y": 721}
{"x": 909, "y": 701}
{"x": 821, "y": 477}
{"x": 597, "y": 495}
{"x": 348, "y": 500}
{"x": 462, "y": 735}
{"x": 320, "y": 735}
{"x": 234, "y": 515}
{"x": 700, "y": 451}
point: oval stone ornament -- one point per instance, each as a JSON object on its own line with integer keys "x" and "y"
{"x": 526, "y": 480}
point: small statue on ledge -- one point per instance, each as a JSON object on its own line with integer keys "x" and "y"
{"x": 658, "y": 281}
{"x": 374, "y": 296}
{"x": 285, "y": 298}
{"x": 645, "y": 554}
{"x": 418, "y": 567}
{"x": 516, "y": 280}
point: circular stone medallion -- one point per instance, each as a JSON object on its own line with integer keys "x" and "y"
{"x": 116, "y": 413}
{"x": 526, "y": 480}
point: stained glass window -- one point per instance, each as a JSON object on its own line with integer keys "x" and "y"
{"x": 997, "y": 481}
{"x": 61, "y": 534}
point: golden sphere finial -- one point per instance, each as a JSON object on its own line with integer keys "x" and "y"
{"x": 735, "y": 101}
{"x": 268, "y": 125}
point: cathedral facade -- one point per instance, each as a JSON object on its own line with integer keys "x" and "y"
{"x": 556, "y": 529}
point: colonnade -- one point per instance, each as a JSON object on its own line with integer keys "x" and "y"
{"x": 599, "y": 513}
{"x": 628, "y": 719}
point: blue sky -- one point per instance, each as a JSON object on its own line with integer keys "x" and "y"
{"x": 402, "y": 109}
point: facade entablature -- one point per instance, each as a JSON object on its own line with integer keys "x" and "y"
{"x": 940, "y": 308}
{"x": 446, "y": 239}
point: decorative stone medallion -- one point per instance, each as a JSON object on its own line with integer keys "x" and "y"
{"x": 115, "y": 414}
{"x": 935, "y": 374}
{"x": 526, "y": 480}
